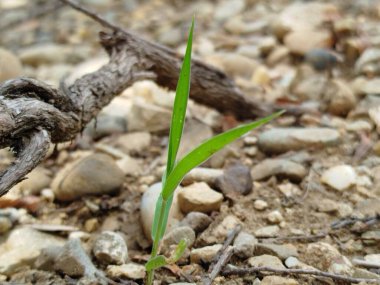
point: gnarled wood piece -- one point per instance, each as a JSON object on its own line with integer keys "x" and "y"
{"x": 33, "y": 114}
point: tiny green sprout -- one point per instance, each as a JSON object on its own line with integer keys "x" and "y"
{"x": 175, "y": 171}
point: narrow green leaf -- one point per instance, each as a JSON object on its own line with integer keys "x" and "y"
{"x": 180, "y": 104}
{"x": 156, "y": 218}
{"x": 155, "y": 262}
{"x": 157, "y": 224}
{"x": 180, "y": 249}
{"x": 205, "y": 150}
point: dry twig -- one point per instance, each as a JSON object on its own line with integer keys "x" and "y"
{"x": 223, "y": 256}
{"x": 252, "y": 270}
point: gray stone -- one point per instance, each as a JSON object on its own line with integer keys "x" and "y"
{"x": 340, "y": 177}
{"x": 233, "y": 64}
{"x": 49, "y": 53}
{"x": 105, "y": 125}
{"x": 174, "y": 236}
{"x": 204, "y": 254}
{"x": 278, "y": 280}
{"x": 279, "y": 140}
{"x": 269, "y": 231}
{"x": 199, "y": 197}
{"x": 244, "y": 245}
{"x": 74, "y": 261}
{"x": 197, "y": 221}
{"x": 35, "y": 277}
{"x": 326, "y": 257}
{"x": 5, "y": 224}
{"x": 282, "y": 251}
{"x": 135, "y": 142}
{"x": 202, "y": 174}
{"x": 37, "y": 180}
{"x": 22, "y": 247}
{"x": 46, "y": 259}
{"x": 130, "y": 270}
{"x": 10, "y": 65}
{"x": 110, "y": 248}
{"x": 92, "y": 175}
{"x": 281, "y": 168}
{"x": 229, "y": 8}
{"x": 148, "y": 205}
{"x": 321, "y": 59}
{"x": 266, "y": 260}
{"x": 236, "y": 179}
{"x": 144, "y": 116}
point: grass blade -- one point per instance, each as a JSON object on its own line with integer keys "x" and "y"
{"x": 156, "y": 262}
{"x": 180, "y": 104}
{"x": 180, "y": 249}
{"x": 205, "y": 150}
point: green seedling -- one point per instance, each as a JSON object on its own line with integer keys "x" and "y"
{"x": 175, "y": 171}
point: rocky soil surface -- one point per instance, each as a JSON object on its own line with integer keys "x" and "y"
{"x": 305, "y": 189}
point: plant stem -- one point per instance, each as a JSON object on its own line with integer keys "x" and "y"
{"x": 156, "y": 241}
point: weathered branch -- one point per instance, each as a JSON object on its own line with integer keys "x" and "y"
{"x": 251, "y": 270}
{"x": 33, "y": 114}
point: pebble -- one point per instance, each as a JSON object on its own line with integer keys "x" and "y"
{"x": 266, "y": 260}
{"x": 148, "y": 206}
{"x": 359, "y": 126}
{"x": 130, "y": 270}
{"x": 5, "y": 224}
{"x": 37, "y": 180}
{"x": 341, "y": 99}
{"x": 282, "y": 251}
{"x": 269, "y": 231}
{"x": 260, "y": 205}
{"x": 251, "y": 151}
{"x": 371, "y": 236}
{"x": 46, "y": 259}
{"x": 369, "y": 57}
{"x": 278, "y": 280}
{"x": 50, "y": 53}
{"x": 22, "y": 247}
{"x": 147, "y": 117}
{"x": 135, "y": 142}
{"x": 110, "y": 248}
{"x": 199, "y": 197}
{"x": 202, "y": 174}
{"x": 174, "y": 236}
{"x": 303, "y": 16}
{"x": 280, "y": 140}
{"x": 74, "y": 261}
{"x": 235, "y": 179}
{"x": 130, "y": 166}
{"x": 375, "y": 258}
{"x": 280, "y": 168}
{"x": 10, "y": 65}
{"x": 91, "y": 225}
{"x": 95, "y": 174}
{"x": 197, "y": 221}
{"x": 340, "y": 177}
{"x": 204, "y": 254}
{"x": 228, "y": 8}
{"x": 275, "y": 217}
{"x": 295, "y": 41}
{"x": 106, "y": 125}
{"x": 233, "y": 64}
{"x": 223, "y": 228}
{"x": 321, "y": 59}
{"x": 326, "y": 257}
{"x": 244, "y": 245}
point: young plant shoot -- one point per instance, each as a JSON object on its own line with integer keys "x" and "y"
{"x": 175, "y": 171}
